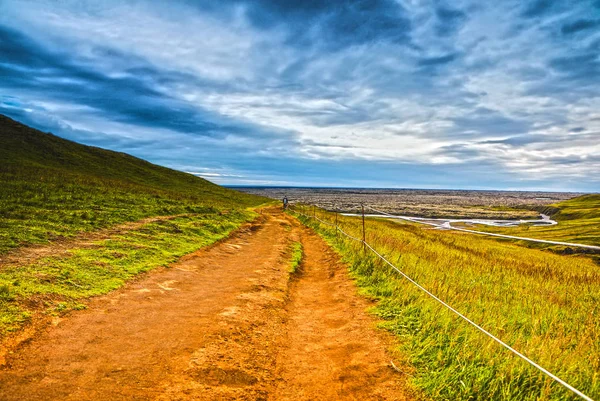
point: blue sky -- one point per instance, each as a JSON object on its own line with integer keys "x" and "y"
{"x": 399, "y": 93}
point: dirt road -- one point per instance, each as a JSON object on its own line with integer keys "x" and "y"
{"x": 227, "y": 322}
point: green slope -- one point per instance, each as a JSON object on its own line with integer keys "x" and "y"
{"x": 578, "y": 221}
{"x": 51, "y": 187}
{"x": 586, "y": 207}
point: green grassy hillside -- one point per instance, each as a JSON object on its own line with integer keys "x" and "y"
{"x": 583, "y": 207}
{"x": 51, "y": 187}
{"x": 578, "y": 221}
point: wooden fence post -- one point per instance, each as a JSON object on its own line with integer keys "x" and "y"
{"x": 363, "y": 225}
{"x": 336, "y": 218}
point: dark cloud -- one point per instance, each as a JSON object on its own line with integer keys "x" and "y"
{"x": 486, "y": 121}
{"x": 449, "y": 20}
{"x": 310, "y": 142}
{"x": 569, "y": 160}
{"x": 459, "y": 151}
{"x": 529, "y": 73}
{"x": 433, "y": 61}
{"x": 516, "y": 141}
{"x": 519, "y": 141}
{"x": 329, "y": 24}
{"x": 537, "y": 8}
{"x": 362, "y": 21}
{"x": 579, "y": 25}
{"x": 585, "y": 66}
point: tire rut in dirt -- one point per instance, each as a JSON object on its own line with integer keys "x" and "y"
{"x": 333, "y": 350}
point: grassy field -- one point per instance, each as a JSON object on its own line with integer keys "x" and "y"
{"x": 52, "y": 189}
{"x": 578, "y": 221}
{"x": 544, "y": 305}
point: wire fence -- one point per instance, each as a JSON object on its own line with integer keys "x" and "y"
{"x": 366, "y": 245}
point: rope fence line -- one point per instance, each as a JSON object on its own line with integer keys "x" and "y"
{"x": 449, "y": 227}
{"x": 456, "y": 312}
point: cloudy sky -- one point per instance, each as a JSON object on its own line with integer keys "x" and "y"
{"x": 376, "y": 93}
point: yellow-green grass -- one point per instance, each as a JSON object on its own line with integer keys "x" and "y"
{"x": 58, "y": 284}
{"x": 578, "y": 221}
{"x": 297, "y": 253}
{"x": 544, "y": 305}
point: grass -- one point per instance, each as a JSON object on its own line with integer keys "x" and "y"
{"x": 578, "y": 221}
{"x": 296, "y": 259}
{"x": 543, "y": 304}
{"x": 52, "y": 188}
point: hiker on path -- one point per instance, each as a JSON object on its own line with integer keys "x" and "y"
{"x": 285, "y": 202}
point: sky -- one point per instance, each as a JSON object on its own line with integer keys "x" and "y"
{"x": 472, "y": 94}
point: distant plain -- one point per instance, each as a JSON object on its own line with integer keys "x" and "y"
{"x": 422, "y": 202}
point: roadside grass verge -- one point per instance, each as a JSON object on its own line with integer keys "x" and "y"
{"x": 297, "y": 254}
{"x": 542, "y": 304}
{"x": 56, "y": 285}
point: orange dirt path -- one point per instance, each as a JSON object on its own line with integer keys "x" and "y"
{"x": 225, "y": 323}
